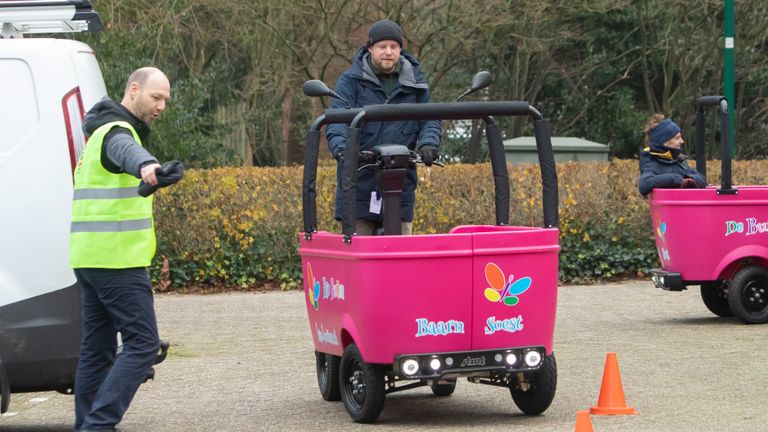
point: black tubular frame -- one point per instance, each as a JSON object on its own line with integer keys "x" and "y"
{"x": 355, "y": 117}
{"x": 726, "y": 186}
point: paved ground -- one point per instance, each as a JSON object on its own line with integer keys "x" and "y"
{"x": 244, "y": 362}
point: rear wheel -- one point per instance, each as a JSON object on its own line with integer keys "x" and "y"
{"x": 328, "y": 375}
{"x": 715, "y": 296}
{"x": 442, "y": 390}
{"x": 748, "y": 294}
{"x": 534, "y": 391}
{"x": 362, "y": 386}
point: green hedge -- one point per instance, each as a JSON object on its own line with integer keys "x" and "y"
{"x": 238, "y": 227}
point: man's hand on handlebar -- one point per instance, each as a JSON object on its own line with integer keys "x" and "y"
{"x": 366, "y": 157}
{"x": 428, "y": 154}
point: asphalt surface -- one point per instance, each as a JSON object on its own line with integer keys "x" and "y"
{"x": 244, "y": 362}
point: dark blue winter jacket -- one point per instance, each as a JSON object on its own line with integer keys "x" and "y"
{"x": 360, "y": 86}
{"x": 660, "y": 170}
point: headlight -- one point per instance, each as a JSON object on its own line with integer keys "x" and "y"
{"x": 532, "y": 358}
{"x": 498, "y": 358}
{"x": 511, "y": 359}
{"x": 449, "y": 361}
{"x": 410, "y": 367}
{"x": 435, "y": 364}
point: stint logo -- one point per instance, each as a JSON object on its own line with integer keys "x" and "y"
{"x": 473, "y": 361}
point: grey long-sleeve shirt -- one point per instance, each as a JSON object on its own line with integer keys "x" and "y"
{"x": 120, "y": 153}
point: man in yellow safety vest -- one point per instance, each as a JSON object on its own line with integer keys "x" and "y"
{"x": 112, "y": 242}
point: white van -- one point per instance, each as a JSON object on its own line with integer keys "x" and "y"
{"x": 46, "y": 86}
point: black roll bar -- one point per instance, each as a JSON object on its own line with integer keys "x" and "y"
{"x": 456, "y": 110}
{"x": 726, "y": 186}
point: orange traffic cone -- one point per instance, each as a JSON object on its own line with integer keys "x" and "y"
{"x": 583, "y": 422}
{"x": 611, "y": 401}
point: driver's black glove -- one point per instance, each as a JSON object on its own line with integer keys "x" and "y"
{"x": 366, "y": 157}
{"x": 339, "y": 155}
{"x": 428, "y": 154}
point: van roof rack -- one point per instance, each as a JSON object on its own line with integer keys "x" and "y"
{"x": 47, "y": 16}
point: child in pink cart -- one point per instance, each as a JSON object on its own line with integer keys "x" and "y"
{"x": 662, "y": 164}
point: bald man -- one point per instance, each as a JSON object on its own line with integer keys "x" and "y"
{"x": 112, "y": 242}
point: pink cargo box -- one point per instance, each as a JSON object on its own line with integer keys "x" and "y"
{"x": 477, "y": 288}
{"x": 702, "y": 235}
{"x": 718, "y": 241}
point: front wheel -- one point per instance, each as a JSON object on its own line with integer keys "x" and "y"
{"x": 715, "y": 296}
{"x": 362, "y": 386}
{"x": 328, "y": 376}
{"x": 442, "y": 390}
{"x": 748, "y": 294}
{"x": 533, "y": 392}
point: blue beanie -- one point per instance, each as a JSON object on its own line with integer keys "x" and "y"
{"x": 385, "y": 30}
{"x": 663, "y": 132}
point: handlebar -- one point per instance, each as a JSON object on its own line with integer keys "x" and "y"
{"x": 368, "y": 159}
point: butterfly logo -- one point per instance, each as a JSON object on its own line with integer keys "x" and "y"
{"x": 503, "y": 289}
{"x": 314, "y": 288}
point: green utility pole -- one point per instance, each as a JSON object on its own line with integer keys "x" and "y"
{"x": 728, "y": 68}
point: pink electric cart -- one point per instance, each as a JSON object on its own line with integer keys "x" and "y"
{"x": 715, "y": 237}
{"x": 485, "y": 307}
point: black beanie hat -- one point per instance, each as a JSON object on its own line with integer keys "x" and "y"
{"x": 385, "y": 30}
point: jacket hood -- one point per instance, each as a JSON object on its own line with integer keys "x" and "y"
{"x": 106, "y": 111}
{"x": 410, "y": 69}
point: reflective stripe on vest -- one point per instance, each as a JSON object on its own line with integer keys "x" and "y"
{"x": 112, "y": 226}
{"x": 129, "y": 192}
{"x": 119, "y": 226}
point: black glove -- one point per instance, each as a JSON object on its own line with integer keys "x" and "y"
{"x": 428, "y": 154}
{"x": 339, "y": 155}
{"x": 366, "y": 157}
{"x": 169, "y": 173}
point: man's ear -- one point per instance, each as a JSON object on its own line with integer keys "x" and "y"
{"x": 133, "y": 89}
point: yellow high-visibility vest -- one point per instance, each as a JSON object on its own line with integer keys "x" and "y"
{"x": 112, "y": 225}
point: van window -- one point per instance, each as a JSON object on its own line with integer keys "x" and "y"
{"x": 19, "y": 116}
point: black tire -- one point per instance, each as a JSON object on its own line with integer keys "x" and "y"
{"x": 748, "y": 294}
{"x": 328, "y": 376}
{"x": 715, "y": 296}
{"x": 535, "y": 392}
{"x": 362, "y": 386}
{"x": 443, "y": 390}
